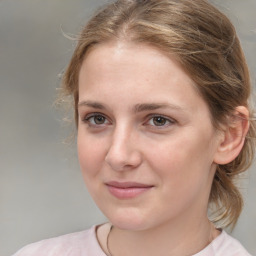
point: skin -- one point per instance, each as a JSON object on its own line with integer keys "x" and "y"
{"x": 172, "y": 148}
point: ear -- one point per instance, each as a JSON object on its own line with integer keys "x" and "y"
{"x": 233, "y": 137}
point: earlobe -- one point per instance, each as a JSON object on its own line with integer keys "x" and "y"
{"x": 233, "y": 136}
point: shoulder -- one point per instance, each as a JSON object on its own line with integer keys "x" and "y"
{"x": 74, "y": 244}
{"x": 232, "y": 246}
{"x": 224, "y": 245}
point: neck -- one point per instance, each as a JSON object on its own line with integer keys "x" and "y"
{"x": 178, "y": 240}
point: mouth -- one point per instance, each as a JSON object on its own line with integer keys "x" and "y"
{"x": 127, "y": 190}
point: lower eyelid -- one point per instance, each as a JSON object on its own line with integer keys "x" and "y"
{"x": 87, "y": 118}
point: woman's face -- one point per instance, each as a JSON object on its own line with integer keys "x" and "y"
{"x": 146, "y": 144}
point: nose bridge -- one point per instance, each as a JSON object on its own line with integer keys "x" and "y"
{"x": 120, "y": 136}
{"x": 123, "y": 151}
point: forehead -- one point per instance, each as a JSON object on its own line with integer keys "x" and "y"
{"x": 124, "y": 69}
{"x": 107, "y": 57}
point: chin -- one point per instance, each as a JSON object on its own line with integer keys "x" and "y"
{"x": 128, "y": 225}
{"x": 130, "y": 219}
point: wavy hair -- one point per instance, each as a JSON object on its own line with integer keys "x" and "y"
{"x": 206, "y": 45}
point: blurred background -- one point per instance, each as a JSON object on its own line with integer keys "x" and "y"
{"x": 41, "y": 189}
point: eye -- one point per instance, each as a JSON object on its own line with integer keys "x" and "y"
{"x": 160, "y": 121}
{"x": 96, "y": 119}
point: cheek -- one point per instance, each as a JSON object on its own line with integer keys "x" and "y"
{"x": 182, "y": 160}
{"x": 183, "y": 173}
{"x": 90, "y": 155}
{"x": 171, "y": 153}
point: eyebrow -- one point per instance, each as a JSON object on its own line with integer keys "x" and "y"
{"x": 154, "y": 106}
{"x": 92, "y": 104}
{"x": 137, "y": 108}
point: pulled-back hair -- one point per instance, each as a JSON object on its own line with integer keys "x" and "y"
{"x": 206, "y": 45}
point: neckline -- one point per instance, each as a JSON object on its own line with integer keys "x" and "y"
{"x": 101, "y": 233}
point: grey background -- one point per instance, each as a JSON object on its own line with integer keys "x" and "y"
{"x": 41, "y": 189}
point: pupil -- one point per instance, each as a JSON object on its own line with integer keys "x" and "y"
{"x": 99, "y": 119}
{"x": 158, "y": 121}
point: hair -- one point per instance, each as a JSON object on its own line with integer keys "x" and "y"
{"x": 205, "y": 43}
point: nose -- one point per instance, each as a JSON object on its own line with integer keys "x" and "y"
{"x": 123, "y": 153}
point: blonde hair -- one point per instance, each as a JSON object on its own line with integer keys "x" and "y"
{"x": 206, "y": 45}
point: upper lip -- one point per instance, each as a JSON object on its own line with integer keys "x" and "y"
{"x": 128, "y": 184}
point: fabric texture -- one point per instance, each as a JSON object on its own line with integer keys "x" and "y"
{"x": 85, "y": 243}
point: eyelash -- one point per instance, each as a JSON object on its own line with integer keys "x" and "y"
{"x": 92, "y": 116}
{"x": 167, "y": 120}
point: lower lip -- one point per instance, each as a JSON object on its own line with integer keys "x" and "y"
{"x": 127, "y": 193}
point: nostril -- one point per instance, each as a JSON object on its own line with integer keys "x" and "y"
{"x": 123, "y": 152}
{"x": 115, "y": 161}
{"x": 121, "y": 161}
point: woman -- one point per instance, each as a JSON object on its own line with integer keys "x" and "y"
{"x": 160, "y": 91}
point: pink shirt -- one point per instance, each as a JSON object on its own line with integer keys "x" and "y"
{"x": 85, "y": 243}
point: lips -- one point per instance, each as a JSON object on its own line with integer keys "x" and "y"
{"x": 127, "y": 190}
